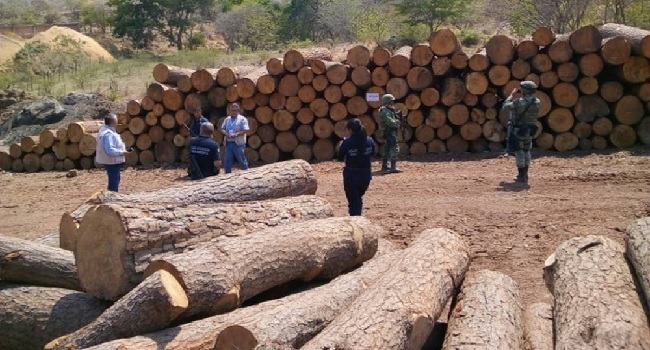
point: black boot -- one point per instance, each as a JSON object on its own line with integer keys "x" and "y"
{"x": 384, "y": 164}
{"x": 393, "y": 167}
{"x": 520, "y": 176}
{"x": 525, "y": 174}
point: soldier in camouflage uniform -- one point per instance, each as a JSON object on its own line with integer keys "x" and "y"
{"x": 389, "y": 123}
{"x": 524, "y": 112}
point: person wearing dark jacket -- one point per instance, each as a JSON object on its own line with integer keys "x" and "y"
{"x": 356, "y": 150}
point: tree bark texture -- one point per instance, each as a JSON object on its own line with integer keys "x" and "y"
{"x": 151, "y": 306}
{"x": 118, "y": 240}
{"x": 28, "y": 262}
{"x": 221, "y": 275}
{"x": 290, "y": 178}
{"x": 400, "y": 310}
{"x": 637, "y": 239}
{"x": 486, "y": 315}
{"x": 538, "y": 327}
{"x": 596, "y": 303}
{"x": 32, "y": 316}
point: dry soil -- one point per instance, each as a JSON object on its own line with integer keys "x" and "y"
{"x": 510, "y": 228}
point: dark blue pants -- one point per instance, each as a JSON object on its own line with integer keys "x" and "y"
{"x": 355, "y": 184}
{"x": 234, "y": 151}
{"x": 113, "y": 171}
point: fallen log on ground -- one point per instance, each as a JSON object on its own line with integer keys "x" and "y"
{"x": 118, "y": 240}
{"x": 318, "y": 306}
{"x": 284, "y": 179}
{"x": 538, "y": 327}
{"x": 486, "y": 315}
{"x": 32, "y": 263}
{"x": 637, "y": 239}
{"x": 152, "y": 305}
{"x": 32, "y": 316}
{"x": 220, "y": 276}
{"x": 596, "y": 302}
{"x": 400, "y": 309}
{"x": 297, "y": 322}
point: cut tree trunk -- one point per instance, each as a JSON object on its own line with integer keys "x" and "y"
{"x": 527, "y": 49}
{"x": 133, "y": 107}
{"x": 479, "y": 62}
{"x": 568, "y": 72}
{"x": 487, "y": 314}
{"x": 637, "y": 241}
{"x": 616, "y": 50}
{"x": 538, "y": 327}
{"x": 323, "y": 150}
{"x": 444, "y": 42}
{"x": 398, "y": 87}
{"x": 32, "y": 316}
{"x": 565, "y": 94}
{"x": 588, "y": 85}
{"x": 166, "y": 74}
{"x": 591, "y": 65}
{"x": 336, "y": 73}
{"x": 560, "y": 51}
{"x": 499, "y": 75}
{"x": 638, "y": 39}
{"x": 421, "y": 55}
{"x": 590, "y": 313}
{"x": 358, "y": 56}
{"x": 500, "y": 49}
{"x": 136, "y": 228}
{"x": 629, "y": 110}
{"x": 586, "y": 40}
{"x": 459, "y": 60}
{"x": 221, "y": 275}
{"x": 305, "y": 76}
{"x": 78, "y": 129}
{"x": 590, "y": 108}
{"x": 155, "y": 91}
{"x": 274, "y": 66}
{"x": 204, "y": 79}
{"x": 173, "y": 99}
{"x": 565, "y": 142}
{"x": 46, "y": 138}
{"x": 476, "y": 83}
{"x": 453, "y": 91}
{"x": 23, "y": 261}
{"x": 31, "y": 162}
{"x": 441, "y": 66}
{"x": 380, "y": 56}
{"x": 293, "y": 60}
{"x": 304, "y": 315}
{"x": 291, "y": 178}
{"x": 5, "y": 161}
{"x": 400, "y": 62}
{"x": 623, "y": 136}
{"x": 408, "y": 298}
{"x": 543, "y": 36}
{"x": 612, "y": 91}
{"x": 541, "y": 63}
{"x": 520, "y": 69}
{"x": 635, "y": 70}
{"x": 151, "y": 306}
{"x": 602, "y": 126}
{"x": 643, "y": 130}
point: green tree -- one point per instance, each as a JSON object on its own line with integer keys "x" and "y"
{"x": 371, "y": 25}
{"x": 140, "y": 21}
{"x": 251, "y": 24}
{"x": 432, "y": 13}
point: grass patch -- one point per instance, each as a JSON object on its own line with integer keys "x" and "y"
{"x": 128, "y": 78}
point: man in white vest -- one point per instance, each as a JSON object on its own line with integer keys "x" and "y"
{"x": 234, "y": 128}
{"x": 110, "y": 151}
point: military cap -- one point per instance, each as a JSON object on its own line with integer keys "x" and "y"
{"x": 387, "y": 99}
{"x": 529, "y": 85}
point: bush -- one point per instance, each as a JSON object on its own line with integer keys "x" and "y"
{"x": 469, "y": 37}
{"x": 195, "y": 41}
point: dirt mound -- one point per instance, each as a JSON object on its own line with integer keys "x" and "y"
{"x": 89, "y": 45}
{"x": 8, "y": 48}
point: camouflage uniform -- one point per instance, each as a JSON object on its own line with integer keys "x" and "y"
{"x": 389, "y": 123}
{"x": 524, "y": 114}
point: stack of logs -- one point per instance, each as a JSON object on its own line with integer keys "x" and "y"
{"x": 65, "y": 148}
{"x": 594, "y": 93}
{"x": 171, "y": 269}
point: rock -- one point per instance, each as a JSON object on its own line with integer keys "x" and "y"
{"x": 42, "y": 112}
{"x": 72, "y": 173}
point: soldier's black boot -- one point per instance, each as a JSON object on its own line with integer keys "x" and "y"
{"x": 520, "y": 176}
{"x": 525, "y": 175}
{"x": 384, "y": 164}
{"x": 393, "y": 167}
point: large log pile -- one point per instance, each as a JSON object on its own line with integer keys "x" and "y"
{"x": 594, "y": 92}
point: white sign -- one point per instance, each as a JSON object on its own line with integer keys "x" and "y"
{"x": 372, "y": 96}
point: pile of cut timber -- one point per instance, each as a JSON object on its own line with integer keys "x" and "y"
{"x": 594, "y": 93}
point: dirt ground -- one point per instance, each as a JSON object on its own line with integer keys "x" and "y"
{"x": 510, "y": 229}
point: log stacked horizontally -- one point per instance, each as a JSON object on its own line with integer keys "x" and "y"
{"x": 594, "y": 92}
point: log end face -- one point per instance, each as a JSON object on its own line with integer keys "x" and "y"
{"x": 229, "y": 301}
{"x": 236, "y": 337}
{"x": 422, "y": 327}
{"x": 176, "y": 293}
{"x": 68, "y": 231}
{"x": 100, "y": 254}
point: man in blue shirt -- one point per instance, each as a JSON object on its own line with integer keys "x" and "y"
{"x": 195, "y": 124}
{"x": 204, "y": 154}
{"x": 110, "y": 151}
{"x": 234, "y": 128}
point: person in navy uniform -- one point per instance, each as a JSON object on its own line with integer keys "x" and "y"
{"x": 204, "y": 154}
{"x": 195, "y": 123}
{"x": 357, "y": 150}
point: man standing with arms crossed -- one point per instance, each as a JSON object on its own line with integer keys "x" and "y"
{"x": 234, "y": 128}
